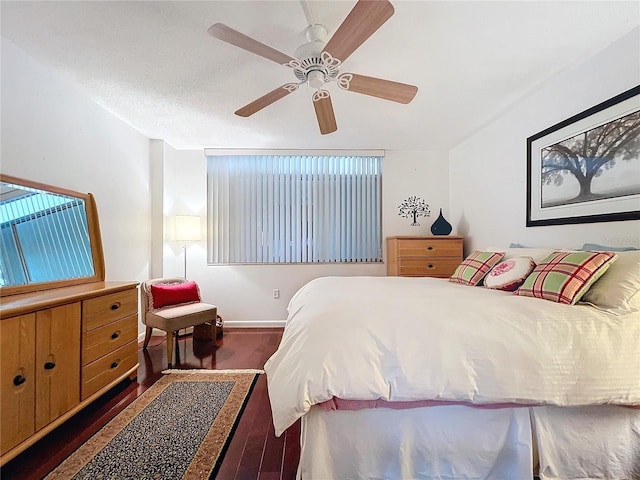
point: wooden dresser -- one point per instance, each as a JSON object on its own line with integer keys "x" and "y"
{"x": 421, "y": 256}
{"x": 60, "y": 349}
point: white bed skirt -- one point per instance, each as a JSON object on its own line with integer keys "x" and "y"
{"x": 435, "y": 443}
{"x": 463, "y": 443}
{"x": 598, "y": 442}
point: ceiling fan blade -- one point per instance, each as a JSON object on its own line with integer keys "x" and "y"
{"x": 377, "y": 87}
{"x": 266, "y": 100}
{"x": 324, "y": 112}
{"x": 229, "y": 35}
{"x": 363, "y": 20}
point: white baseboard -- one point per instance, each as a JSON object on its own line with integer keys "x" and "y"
{"x": 255, "y": 323}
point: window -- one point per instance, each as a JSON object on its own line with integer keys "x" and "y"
{"x": 294, "y": 208}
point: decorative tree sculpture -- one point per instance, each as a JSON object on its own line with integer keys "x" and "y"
{"x": 414, "y": 207}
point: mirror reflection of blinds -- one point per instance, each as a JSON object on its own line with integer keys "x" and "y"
{"x": 43, "y": 238}
{"x": 294, "y": 209}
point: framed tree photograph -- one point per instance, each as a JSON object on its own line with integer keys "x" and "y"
{"x": 587, "y": 168}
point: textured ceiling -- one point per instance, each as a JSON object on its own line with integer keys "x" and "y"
{"x": 152, "y": 64}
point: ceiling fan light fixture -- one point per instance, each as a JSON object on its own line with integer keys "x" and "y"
{"x": 315, "y": 79}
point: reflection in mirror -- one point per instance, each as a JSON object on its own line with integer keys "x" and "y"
{"x": 45, "y": 236}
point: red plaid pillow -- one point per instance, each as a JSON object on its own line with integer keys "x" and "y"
{"x": 475, "y": 267}
{"x": 564, "y": 277}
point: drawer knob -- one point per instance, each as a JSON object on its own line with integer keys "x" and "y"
{"x": 114, "y": 335}
{"x": 49, "y": 366}
{"x": 115, "y": 364}
{"x": 430, "y": 265}
{"x": 19, "y": 380}
{"x": 115, "y": 306}
{"x": 429, "y": 248}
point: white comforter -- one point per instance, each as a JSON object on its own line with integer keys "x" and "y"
{"x": 402, "y": 339}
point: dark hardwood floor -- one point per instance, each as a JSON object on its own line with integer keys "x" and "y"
{"x": 253, "y": 453}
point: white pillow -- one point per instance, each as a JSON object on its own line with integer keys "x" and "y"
{"x": 618, "y": 290}
{"x": 537, "y": 254}
{"x": 509, "y": 274}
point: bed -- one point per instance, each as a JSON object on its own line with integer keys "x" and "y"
{"x": 407, "y": 378}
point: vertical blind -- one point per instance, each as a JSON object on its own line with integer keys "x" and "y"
{"x": 294, "y": 209}
{"x": 43, "y": 237}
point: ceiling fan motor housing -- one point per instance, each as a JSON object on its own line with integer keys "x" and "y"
{"x": 315, "y": 67}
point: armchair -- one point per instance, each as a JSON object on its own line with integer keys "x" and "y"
{"x": 170, "y": 304}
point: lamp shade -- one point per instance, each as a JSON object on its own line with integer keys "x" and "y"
{"x": 187, "y": 227}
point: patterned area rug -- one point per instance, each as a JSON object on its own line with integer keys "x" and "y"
{"x": 179, "y": 428}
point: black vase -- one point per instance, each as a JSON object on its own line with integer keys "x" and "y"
{"x": 441, "y": 226}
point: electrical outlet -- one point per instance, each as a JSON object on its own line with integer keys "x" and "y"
{"x": 276, "y": 293}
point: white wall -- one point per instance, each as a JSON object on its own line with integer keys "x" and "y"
{"x": 488, "y": 171}
{"x": 407, "y": 173}
{"x": 52, "y": 133}
{"x": 243, "y": 293}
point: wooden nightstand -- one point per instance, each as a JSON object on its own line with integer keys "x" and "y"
{"x": 421, "y": 256}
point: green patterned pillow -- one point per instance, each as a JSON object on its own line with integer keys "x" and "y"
{"x": 475, "y": 267}
{"x": 564, "y": 277}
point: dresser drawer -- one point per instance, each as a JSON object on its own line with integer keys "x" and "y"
{"x": 421, "y": 267}
{"x": 100, "y": 311}
{"x": 429, "y": 248}
{"x": 100, "y": 372}
{"x": 107, "y": 338}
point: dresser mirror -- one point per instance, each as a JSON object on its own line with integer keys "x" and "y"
{"x": 49, "y": 237}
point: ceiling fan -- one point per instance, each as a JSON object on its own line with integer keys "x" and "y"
{"x": 318, "y": 61}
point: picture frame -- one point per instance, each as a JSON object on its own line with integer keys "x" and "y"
{"x": 586, "y": 169}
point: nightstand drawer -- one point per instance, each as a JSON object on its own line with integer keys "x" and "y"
{"x": 100, "y": 311}
{"x": 99, "y": 373}
{"x": 420, "y": 267}
{"x": 429, "y": 248}
{"x": 107, "y": 338}
{"x": 433, "y": 256}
